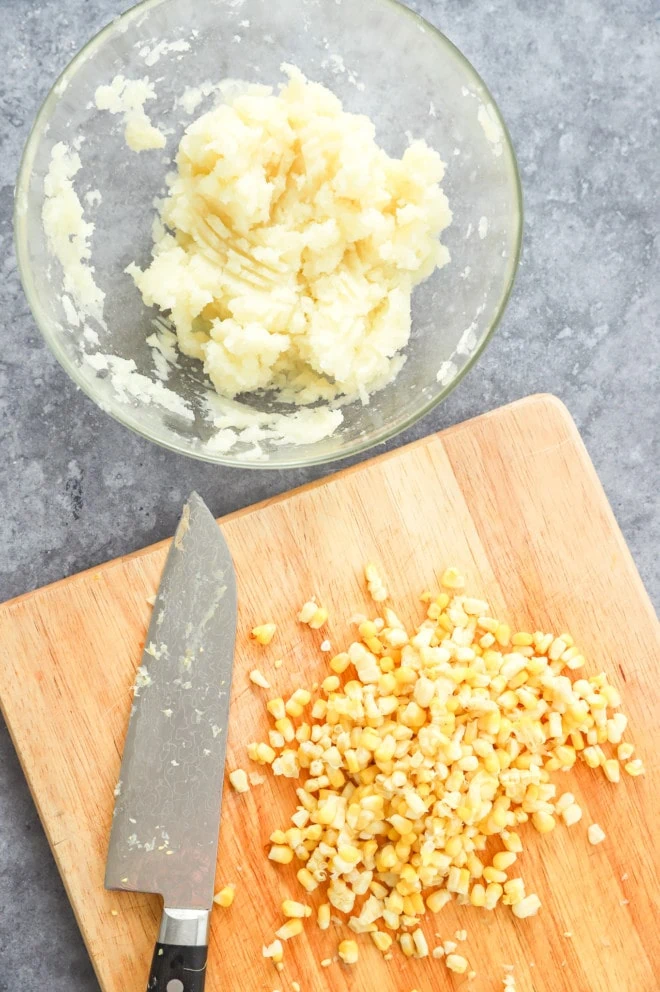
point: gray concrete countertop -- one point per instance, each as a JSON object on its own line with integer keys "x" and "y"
{"x": 577, "y": 81}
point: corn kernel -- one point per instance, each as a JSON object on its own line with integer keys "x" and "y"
{"x": 595, "y": 833}
{"x": 280, "y": 854}
{"x": 612, "y": 770}
{"x": 239, "y": 780}
{"x": 274, "y": 951}
{"x": 529, "y": 906}
{"x": 276, "y": 708}
{"x": 407, "y": 945}
{"x": 348, "y": 951}
{"x": 572, "y": 814}
{"x": 340, "y": 663}
{"x": 456, "y": 963}
{"x": 382, "y": 940}
{"x": 289, "y": 929}
{"x": 493, "y": 875}
{"x": 258, "y": 678}
{"x": 503, "y": 860}
{"x": 264, "y": 633}
{"x": 421, "y": 945}
{"x": 625, "y": 751}
{"x": 494, "y": 892}
{"x": 452, "y": 579}
{"x": 544, "y": 822}
{"x": 512, "y": 841}
{"x": 375, "y": 584}
{"x": 225, "y": 896}
{"x": 295, "y": 910}
{"x": 307, "y": 880}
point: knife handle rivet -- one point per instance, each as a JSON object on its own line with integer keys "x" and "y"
{"x": 174, "y": 985}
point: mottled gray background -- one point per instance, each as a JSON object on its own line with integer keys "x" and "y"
{"x": 578, "y": 83}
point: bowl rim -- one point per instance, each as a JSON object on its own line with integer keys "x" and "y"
{"x": 125, "y": 414}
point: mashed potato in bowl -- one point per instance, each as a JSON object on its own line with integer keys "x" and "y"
{"x": 290, "y": 244}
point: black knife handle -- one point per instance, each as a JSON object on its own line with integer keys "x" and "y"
{"x": 177, "y": 968}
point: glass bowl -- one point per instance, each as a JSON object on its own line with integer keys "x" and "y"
{"x": 380, "y": 59}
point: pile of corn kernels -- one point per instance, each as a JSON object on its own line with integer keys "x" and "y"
{"x": 417, "y": 749}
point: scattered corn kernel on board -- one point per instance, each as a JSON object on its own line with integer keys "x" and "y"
{"x": 513, "y": 500}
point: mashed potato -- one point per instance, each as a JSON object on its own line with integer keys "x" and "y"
{"x": 290, "y": 244}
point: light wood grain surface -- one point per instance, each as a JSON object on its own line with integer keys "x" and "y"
{"x": 511, "y": 498}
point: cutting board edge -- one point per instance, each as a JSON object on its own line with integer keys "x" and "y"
{"x": 534, "y": 399}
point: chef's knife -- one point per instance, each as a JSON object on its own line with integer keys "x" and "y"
{"x": 166, "y": 822}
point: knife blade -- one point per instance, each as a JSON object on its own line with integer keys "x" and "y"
{"x": 166, "y": 822}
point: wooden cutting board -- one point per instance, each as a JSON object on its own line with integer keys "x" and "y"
{"x": 511, "y": 498}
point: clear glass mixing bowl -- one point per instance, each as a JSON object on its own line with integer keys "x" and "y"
{"x": 382, "y": 60}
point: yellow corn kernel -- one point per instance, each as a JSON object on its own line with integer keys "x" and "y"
{"x": 225, "y": 896}
{"x": 503, "y": 634}
{"x": 264, "y": 633}
{"x": 264, "y": 754}
{"x": 258, "y": 678}
{"x": 491, "y": 874}
{"x": 635, "y": 767}
{"x": 349, "y": 853}
{"x": 591, "y": 757}
{"x": 323, "y": 916}
{"x": 276, "y": 708}
{"x": 281, "y": 854}
{"x": 494, "y": 893}
{"x": 544, "y": 822}
{"x": 348, "y": 951}
{"x": 239, "y": 780}
{"x": 295, "y": 910}
{"x": 565, "y": 755}
{"x": 307, "y": 611}
{"x": 307, "y": 880}
{"x": 289, "y": 929}
{"x": 514, "y": 891}
{"x": 512, "y": 841}
{"x": 297, "y": 702}
{"x": 612, "y": 770}
{"x": 457, "y": 963}
{"x": 375, "y": 584}
{"x": 407, "y": 945}
{"x": 572, "y": 814}
{"x": 421, "y": 945}
{"x": 320, "y": 617}
{"x": 478, "y": 894}
{"x": 286, "y": 728}
{"x": 452, "y": 579}
{"x": 382, "y": 940}
{"x": 595, "y": 833}
{"x": 340, "y": 663}
{"x": 503, "y": 860}
{"x": 529, "y": 906}
{"x": 274, "y": 951}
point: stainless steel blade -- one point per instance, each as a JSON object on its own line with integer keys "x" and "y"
{"x": 165, "y": 829}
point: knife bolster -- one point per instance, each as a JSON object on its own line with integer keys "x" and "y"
{"x": 184, "y": 927}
